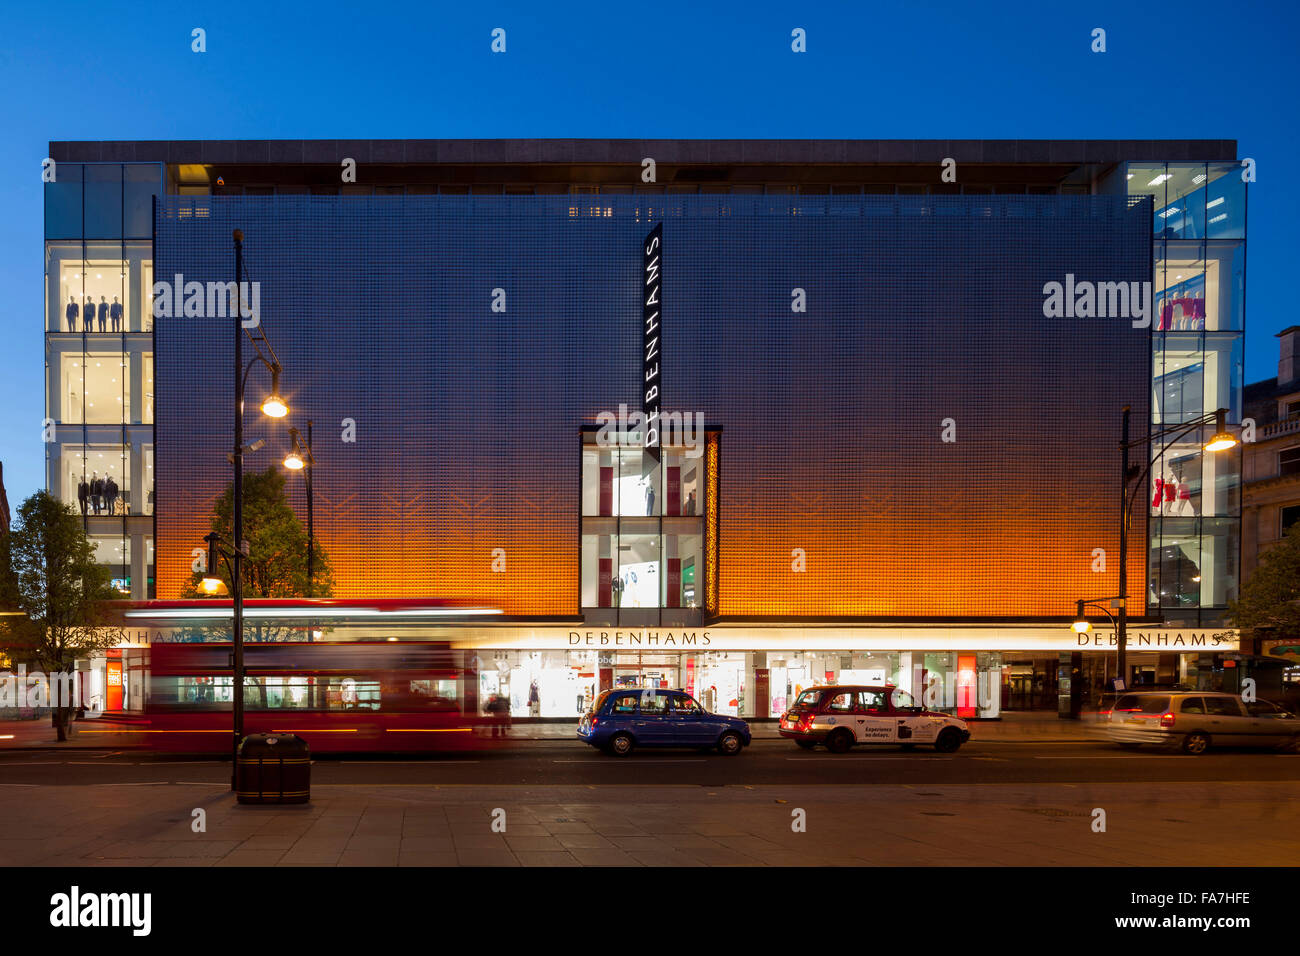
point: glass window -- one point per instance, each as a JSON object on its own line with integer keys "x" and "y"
{"x": 1222, "y": 707}
{"x": 140, "y": 183}
{"x": 872, "y": 701}
{"x": 624, "y": 704}
{"x": 1220, "y": 551}
{"x": 1142, "y": 704}
{"x": 1175, "y": 563}
{"x": 96, "y": 479}
{"x": 1225, "y": 205}
{"x": 654, "y": 703}
{"x": 1289, "y": 515}
{"x": 902, "y": 700}
{"x": 1192, "y": 705}
{"x": 63, "y": 202}
{"x": 680, "y": 704}
{"x": 1183, "y": 214}
{"x": 1149, "y": 180}
{"x": 146, "y": 372}
{"x": 1264, "y": 708}
{"x": 103, "y": 204}
{"x": 637, "y": 569}
{"x": 1288, "y": 461}
{"x": 96, "y": 388}
{"x": 841, "y": 702}
{"x": 95, "y": 295}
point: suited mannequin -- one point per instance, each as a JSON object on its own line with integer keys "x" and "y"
{"x": 96, "y": 491}
{"x": 83, "y": 492}
{"x": 71, "y": 313}
{"x": 88, "y": 315}
{"x": 110, "y": 494}
{"x": 103, "y": 314}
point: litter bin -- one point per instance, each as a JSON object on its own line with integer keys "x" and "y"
{"x": 273, "y": 768}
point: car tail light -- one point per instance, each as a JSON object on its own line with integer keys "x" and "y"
{"x": 593, "y": 722}
{"x": 1167, "y": 719}
{"x": 805, "y": 721}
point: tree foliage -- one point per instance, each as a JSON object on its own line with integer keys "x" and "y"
{"x": 1269, "y": 604}
{"x": 60, "y": 593}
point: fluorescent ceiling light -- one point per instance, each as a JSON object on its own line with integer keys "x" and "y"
{"x": 1213, "y": 202}
{"x": 1159, "y": 179}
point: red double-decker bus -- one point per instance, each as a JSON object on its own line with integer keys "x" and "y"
{"x": 381, "y": 694}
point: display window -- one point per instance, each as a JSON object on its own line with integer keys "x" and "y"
{"x": 115, "y": 552}
{"x": 96, "y": 388}
{"x": 96, "y": 296}
{"x": 1199, "y": 286}
{"x": 96, "y": 479}
{"x": 539, "y": 683}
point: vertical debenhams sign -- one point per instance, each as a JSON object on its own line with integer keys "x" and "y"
{"x": 652, "y": 337}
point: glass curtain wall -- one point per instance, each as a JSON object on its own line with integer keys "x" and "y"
{"x": 1198, "y": 327}
{"x": 643, "y": 532}
{"x": 99, "y": 358}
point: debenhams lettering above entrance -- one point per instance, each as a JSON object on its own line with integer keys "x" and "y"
{"x": 903, "y": 638}
{"x": 1187, "y": 640}
{"x": 640, "y": 639}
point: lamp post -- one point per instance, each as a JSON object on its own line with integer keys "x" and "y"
{"x": 1220, "y": 441}
{"x": 274, "y": 407}
{"x": 300, "y": 459}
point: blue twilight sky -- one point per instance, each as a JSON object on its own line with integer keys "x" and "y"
{"x": 330, "y": 70}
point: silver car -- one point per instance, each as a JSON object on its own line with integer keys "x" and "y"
{"x": 1196, "y": 720}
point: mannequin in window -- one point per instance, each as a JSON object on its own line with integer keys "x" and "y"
{"x": 88, "y": 315}
{"x": 71, "y": 312}
{"x": 1183, "y": 503}
{"x": 115, "y": 314}
{"x": 96, "y": 491}
{"x": 83, "y": 492}
{"x": 649, "y": 498}
{"x": 689, "y": 507}
{"x": 110, "y": 494}
{"x": 103, "y": 314}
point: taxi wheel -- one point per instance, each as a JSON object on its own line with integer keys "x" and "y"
{"x": 729, "y": 744}
{"x": 948, "y": 741}
{"x": 1196, "y": 743}
{"x": 620, "y": 745}
{"x": 806, "y": 744}
{"x": 840, "y": 741}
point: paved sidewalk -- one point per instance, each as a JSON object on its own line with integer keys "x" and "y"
{"x": 108, "y": 734}
{"x": 1213, "y": 824}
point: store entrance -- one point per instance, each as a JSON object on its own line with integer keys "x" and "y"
{"x": 641, "y": 669}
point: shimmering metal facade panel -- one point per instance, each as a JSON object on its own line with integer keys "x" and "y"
{"x": 919, "y": 309}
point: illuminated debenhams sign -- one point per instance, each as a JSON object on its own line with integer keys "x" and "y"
{"x": 1186, "y": 640}
{"x": 640, "y": 639}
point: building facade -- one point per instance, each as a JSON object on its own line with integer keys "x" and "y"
{"x": 1271, "y": 471}
{"x": 898, "y": 447}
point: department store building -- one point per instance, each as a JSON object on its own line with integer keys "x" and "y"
{"x": 787, "y": 412}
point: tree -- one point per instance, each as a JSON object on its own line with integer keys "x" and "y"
{"x": 1269, "y": 604}
{"x": 62, "y": 594}
{"x": 276, "y": 565}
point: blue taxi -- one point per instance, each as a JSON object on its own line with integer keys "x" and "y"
{"x": 622, "y": 720}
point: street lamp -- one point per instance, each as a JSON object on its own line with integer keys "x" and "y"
{"x": 1220, "y": 441}
{"x": 301, "y": 459}
{"x": 275, "y": 407}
